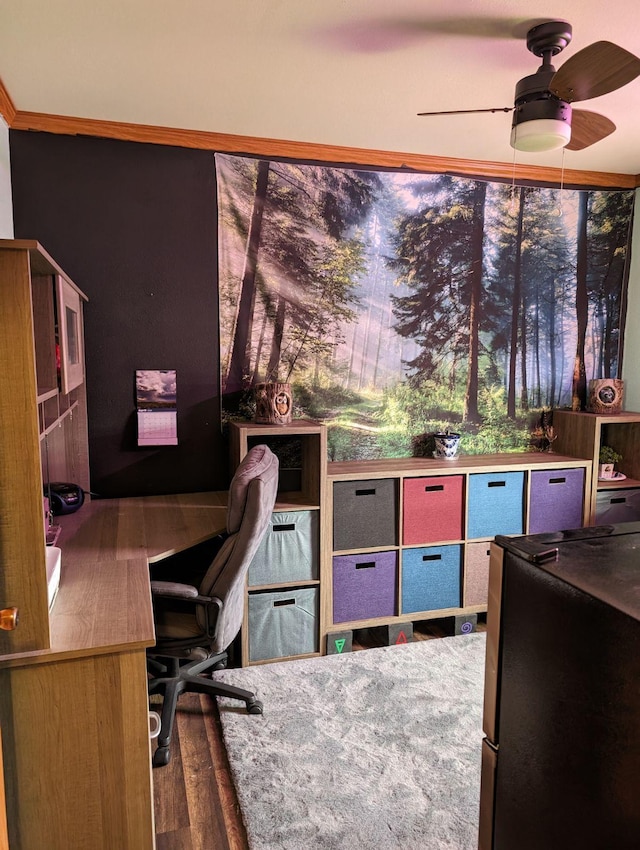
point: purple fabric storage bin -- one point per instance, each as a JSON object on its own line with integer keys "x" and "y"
{"x": 364, "y": 586}
{"x": 556, "y": 500}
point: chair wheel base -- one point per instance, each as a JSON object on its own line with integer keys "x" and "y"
{"x": 254, "y": 707}
{"x": 161, "y": 757}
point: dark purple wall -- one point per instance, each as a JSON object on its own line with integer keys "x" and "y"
{"x": 134, "y": 226}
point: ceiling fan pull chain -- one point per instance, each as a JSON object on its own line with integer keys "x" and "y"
{"x": 562, "y": 183}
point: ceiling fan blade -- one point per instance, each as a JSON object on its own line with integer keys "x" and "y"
{"x": 587, "y": 128}
{"x": 600, "y": 68}
{"x": 469, "y": 111}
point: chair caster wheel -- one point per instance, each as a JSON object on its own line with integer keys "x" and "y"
{"x": 254, "y": 707}
{"x": 161, "y": 757}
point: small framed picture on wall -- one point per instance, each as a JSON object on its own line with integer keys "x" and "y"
{"x": 71, "y": 340}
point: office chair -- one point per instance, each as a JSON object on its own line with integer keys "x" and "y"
{"x": 195, "y": 626}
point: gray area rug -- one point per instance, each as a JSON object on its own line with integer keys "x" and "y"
{"x": 371, "y": 750}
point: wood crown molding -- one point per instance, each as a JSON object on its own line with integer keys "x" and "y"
{"x": 204, "y": 140}
{"x": 7, "y": 109}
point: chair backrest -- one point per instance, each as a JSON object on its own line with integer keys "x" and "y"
{"x": 252, "y": 497}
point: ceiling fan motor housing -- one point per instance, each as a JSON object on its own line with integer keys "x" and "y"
{"x": 534, "y": 102}
{"x": 547, "y": 109}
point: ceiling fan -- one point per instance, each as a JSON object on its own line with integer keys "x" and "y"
{"x": 543, "y": 118}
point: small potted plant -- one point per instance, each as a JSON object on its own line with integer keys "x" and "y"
{"x": 607, "y": 459}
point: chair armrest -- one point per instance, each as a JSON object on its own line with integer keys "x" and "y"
{"x": 173, "y": 590}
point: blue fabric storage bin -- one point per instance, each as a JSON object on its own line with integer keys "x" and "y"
{"x": 288, "y": 551}
{"x": 431, "y": 578}
{"x": 283, "y": 623}
{"x": 496, "y": 504}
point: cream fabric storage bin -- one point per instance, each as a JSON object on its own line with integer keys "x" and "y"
{"x": 283, "y": 623}
{"x": 288, "y": 551}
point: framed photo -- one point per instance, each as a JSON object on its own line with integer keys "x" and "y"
{"x": 71, "y": 338}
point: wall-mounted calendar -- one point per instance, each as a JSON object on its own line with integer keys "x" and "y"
{"x": 157, "y": 408}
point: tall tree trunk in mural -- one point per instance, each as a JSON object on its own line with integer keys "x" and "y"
{"x": 239, "y": 365}
{"x": 515, "y": 306}
{"x": 536, "y": 347}
{"x": 256, "y": 366}
{"x": 579, "y": 385}
{"x": 276, "y": 340}
{"x": 551, "y": 398}
{"x": 471, "y": 412}
{"x": 524, "y": 388}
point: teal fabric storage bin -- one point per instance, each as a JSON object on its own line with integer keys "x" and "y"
{"x": 283, "y": 623}
{"x": 496, "y": 504}
{"x": 288, "y": 551}
{"x": 431, "y": 578}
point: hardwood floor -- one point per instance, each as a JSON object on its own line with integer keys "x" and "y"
{"x": 196, "y": 807}
{"x": 195, "y": 801}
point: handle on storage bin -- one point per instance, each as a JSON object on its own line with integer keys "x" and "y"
{"x": 432, "y": 557}
{"x": 496, "y": 484}
{"x": 557, "y": 480}
{"x": 618, "y": 500}
{"x": 433, "y": 487}
{"x": 370, "y": 492}
{"x": 280, "y": 602}
{"x": 290, "y": 526}
{"x": 366, "y": 565}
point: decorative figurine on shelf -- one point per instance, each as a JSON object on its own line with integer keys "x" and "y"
{"x": 605, "y": 395}
{"x": 274, "y": 403}
{"x": 607, "y": 460}
{"x": 543, "y": 436}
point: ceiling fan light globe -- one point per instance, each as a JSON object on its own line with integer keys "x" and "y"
{"x": 542, "y": 134}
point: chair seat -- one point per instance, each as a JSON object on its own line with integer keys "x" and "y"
{"x": 176, "y": 626}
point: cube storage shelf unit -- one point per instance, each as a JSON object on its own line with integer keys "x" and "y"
{"x": 282, "y": 614}
{"x": 385, "y": 542}
{"x": 410, "y": 537}
{"x": 582, "y": 434}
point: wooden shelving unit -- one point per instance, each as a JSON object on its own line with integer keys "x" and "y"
{"x": 302, "y": 450}
{"x": 73, "y": 682}
{"x": 313, "y": 490}
{"x": 582, "y": 434}
{"x": 407, "y": 469}
{"x": 43, "y": 431}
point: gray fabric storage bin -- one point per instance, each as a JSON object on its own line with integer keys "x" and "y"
{"x": 283, "y": 623}
{"x": 365, "y": 514}
{"x": 288, "y": 551}
{"x": 619, "y": 505}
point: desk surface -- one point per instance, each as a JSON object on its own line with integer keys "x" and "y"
{"x": 104, "y": 600}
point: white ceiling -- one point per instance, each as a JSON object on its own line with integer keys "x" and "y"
{"x": 335, "y": 72}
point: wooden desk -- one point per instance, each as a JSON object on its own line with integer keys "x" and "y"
{"x": 74, "y": 717}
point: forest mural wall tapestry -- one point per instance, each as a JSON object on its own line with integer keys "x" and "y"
{"x": 398, "y": 304}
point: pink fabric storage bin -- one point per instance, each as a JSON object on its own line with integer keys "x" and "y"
{"x": 476, "y": 574}
{"x": 432, "y": 509}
